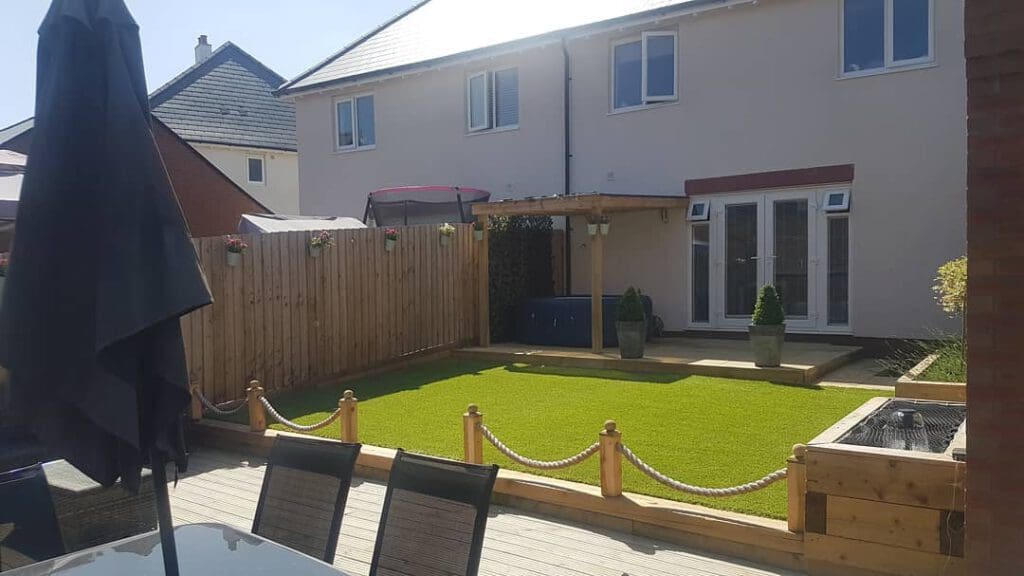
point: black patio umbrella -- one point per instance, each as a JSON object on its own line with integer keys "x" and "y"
{"x": 102, "y": 266}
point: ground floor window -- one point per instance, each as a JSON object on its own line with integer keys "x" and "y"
{"x": 838, "y": 271}
{"x": 700, "y": 257}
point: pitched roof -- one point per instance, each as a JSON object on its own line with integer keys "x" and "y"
{"x": 434, "y": 30}
{"x": 227, "y": 99}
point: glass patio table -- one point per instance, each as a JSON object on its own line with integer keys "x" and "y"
{"x": 202, "y": 549}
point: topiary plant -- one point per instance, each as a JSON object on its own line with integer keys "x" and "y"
{"x": 768, "y": 311}
{"x": 631, "y": 307}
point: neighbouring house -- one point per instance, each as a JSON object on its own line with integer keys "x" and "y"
{"x": 212, "y": 204}
{"x": 225, "y": 108}
{"x": 821, "y": 143}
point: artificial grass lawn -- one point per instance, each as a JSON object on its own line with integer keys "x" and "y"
{"x": 699, "y": 430}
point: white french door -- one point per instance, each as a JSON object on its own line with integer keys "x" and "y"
{"x": 780, "y": 238}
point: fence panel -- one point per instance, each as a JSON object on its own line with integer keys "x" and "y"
{"x": 291, "y": 320}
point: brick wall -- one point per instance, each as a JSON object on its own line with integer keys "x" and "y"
{"x": 211, "y": 202}
{"x": 995, "y": 312}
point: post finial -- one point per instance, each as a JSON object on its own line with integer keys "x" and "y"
{"x": 473, "y": 409}
{"x": 254, "y": 383}
{"x": 799, "y": 451}
{"x": 348, "y": 394}
{"x": 609, "y": 425}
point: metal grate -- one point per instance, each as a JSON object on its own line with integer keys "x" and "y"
{"x": 909, "y": 425}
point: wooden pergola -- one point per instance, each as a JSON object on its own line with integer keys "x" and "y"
{"x": 593, "y": 206}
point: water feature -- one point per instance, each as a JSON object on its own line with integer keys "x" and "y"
{"x": 915, "y": 425}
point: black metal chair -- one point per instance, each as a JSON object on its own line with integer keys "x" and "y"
{"x": 29, "y": 531}
{"x": 435, "y": 514}
{"x": 304, "y": 492}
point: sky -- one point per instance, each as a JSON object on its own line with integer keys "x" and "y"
{"x": 289, "y": 36}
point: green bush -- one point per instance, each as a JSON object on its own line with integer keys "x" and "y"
{"x": 951, "y": 286}
{"x": 631, "y": 307}
{"x": 519, "y": 255}
{"x": 768, "y": 311}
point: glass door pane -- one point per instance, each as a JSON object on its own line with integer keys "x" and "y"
{"x": 790, "y": 264}
{"x": 838, "y": 271}
{"x": 701, "y": 276}
{"x": 740, "y": 259}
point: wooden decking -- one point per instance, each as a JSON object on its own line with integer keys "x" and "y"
{"x": 223, "y": 487}
{"x": 803, "y": 362}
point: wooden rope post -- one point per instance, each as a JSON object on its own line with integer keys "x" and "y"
{"x": 611, "y": 460}
{"x": 257, "y": 415}
{"x": 349, "y": 406}
{"x": 473, "y": 439}
{"x": 796, "y": 483}
{"x": 195, "y": 408}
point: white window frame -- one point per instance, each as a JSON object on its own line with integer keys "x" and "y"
{"x": 488, "y": 106}
{"x": 645, "y": 101}
{"x": 702, "y": 217}
{"x": 890, "y": 65}
{"x": 355, "y": 123}
{"x": 843, "y": 206}
{"x": 263, "y": 169}
{"x": 643, "y": 67}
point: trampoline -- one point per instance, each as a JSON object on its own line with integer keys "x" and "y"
{"x": 409, "y": 205}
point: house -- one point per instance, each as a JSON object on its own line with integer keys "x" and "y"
{"x": 210, "y": 201}
{"x": 820, "y": 142}
{"x": 225, "y": 108}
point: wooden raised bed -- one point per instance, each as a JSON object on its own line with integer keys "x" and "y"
{"x": 908, "y": 385}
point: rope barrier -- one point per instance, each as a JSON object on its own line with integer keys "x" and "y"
{"x": 300, "y": 427}
{"x": 699, "y": 490}
{"x": 541, "y": 464}
{"x": 216, "y": 410}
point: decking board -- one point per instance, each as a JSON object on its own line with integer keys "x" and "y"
{"x": 223, "y": 487}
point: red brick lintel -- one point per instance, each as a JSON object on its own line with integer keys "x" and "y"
{"x": 776, "y": 179}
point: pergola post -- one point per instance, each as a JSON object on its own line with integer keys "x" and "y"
{"x": 596, "y": 290}
{"x": 483, "y": 285}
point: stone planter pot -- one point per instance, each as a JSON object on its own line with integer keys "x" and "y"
{"x": 445, "y": 240}
{"x": 234, "y": 259}
{"x": 632, "y": 336}
{"x": 314, "y": 251}
{"x": 389, "y": 244}
{"x": 478, "y": 235}
{"x": 766, "y": 342}
{"x": 592, "y": 229}
{"x": 605, "y": 226}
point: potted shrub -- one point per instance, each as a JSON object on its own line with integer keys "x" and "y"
{"x": 478, "y": 230}
{"x": 234, "y": 246}
{"x": 319, "y": 242}
{"x": 768, "y": 328}
{"x": 446, "y": 231}
{"x": 631, "y": 324}
{"x": 604, "y": 223}
{"x": 390, "y": 238}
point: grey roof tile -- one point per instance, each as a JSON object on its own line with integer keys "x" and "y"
{"x": 435, "y": 29}
{"x": 227, "y": 99}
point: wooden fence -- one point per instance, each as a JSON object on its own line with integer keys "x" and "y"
{"x": 291, "y": 320}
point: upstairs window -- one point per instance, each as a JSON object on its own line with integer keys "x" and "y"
{"x": 355, "y": 123}
{"x": 255, "y": 173}
{"x": 644, "y": 70}
{"x": 886, "y": 34}
{"x": 492, "y": 100}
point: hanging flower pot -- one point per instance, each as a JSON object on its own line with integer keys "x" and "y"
{"x": 605, "y": 224}
{"x": 319, "y": 242}
{"x": 446, "y": 232}
{"x": 592, "y": 228}
{"x": 390, "y": 239}
{"x": 478, "y": 230}
{"x": 234, "y": 246}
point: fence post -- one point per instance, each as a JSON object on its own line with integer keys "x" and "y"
{"x": 257, "y": 416}
{"x": 796, "y": 483}
{"x": 195, "y": 410}
{"x": 611, "y": 460}
{"x": 349, "y": 406}
{"x": 473, "y": 440}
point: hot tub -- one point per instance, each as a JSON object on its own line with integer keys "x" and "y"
{"x": 565, "y": 321}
